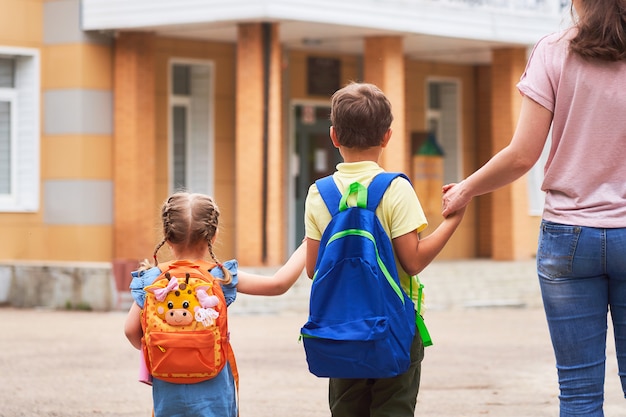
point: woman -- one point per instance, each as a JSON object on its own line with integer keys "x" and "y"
{"x": 575, "y": 82}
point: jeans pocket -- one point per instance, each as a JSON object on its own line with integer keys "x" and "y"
{"x": 557, "y": 245}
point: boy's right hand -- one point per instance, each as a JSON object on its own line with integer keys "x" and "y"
{"x": 457, "y": 215}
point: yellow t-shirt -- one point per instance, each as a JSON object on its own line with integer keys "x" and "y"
{"x": 399, "y": 212}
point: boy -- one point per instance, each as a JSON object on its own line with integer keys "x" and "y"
{"x": 361, "y": 119}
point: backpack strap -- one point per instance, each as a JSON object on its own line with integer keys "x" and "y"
{"x": 330, "y": 193}
{"x": 202, "y": 266}
{"x": 419, "y": 319}
{"x": 378, "y": 186}
{"x": 334, "y": 200}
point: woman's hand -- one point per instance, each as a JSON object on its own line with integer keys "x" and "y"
{"x": 454, "y": 198}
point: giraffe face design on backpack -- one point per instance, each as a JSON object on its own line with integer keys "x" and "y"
{"x": 180, "y": 303}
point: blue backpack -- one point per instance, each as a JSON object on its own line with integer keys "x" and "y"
{"x": 361, "y": 323}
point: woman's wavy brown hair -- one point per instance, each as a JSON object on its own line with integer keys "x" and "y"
{"x": 601, "y": 29}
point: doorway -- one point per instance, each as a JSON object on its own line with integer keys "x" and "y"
{"x": 315, "y": 156}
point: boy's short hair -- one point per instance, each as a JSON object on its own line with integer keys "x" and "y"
{"x": 361, "y": 115}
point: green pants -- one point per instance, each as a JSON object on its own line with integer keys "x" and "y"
{"x": 383, "y": 397}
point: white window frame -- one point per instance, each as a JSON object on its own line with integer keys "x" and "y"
{"x": 433, "y": 114}
{"x": 24, "y": 100}
{"x": 8, "y": 95}
{"x": 175, "y": 100}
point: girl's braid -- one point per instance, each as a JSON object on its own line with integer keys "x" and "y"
{"x": 211, "y": 229}
{"x": 165, "y": 216}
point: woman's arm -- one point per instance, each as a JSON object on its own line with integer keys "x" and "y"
{"x": 507, "y": 165}
{"x": 278, "y": 283}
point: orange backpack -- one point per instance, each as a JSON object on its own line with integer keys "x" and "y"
{"x": 184, "y": 321}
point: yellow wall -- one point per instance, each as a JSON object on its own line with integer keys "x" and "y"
{"x": 91, "y": 156}
{"x": 77, "y": 66}
{"x": 62, "y": 157}
{"x": 76, "y": 156}
{"x": 21, "y": 23}
{"x": 24, "y": 237}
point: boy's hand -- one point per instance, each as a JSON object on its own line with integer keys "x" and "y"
{"x": 456, "y": 215}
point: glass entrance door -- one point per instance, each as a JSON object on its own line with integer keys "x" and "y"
{"x": 315, "y": 153}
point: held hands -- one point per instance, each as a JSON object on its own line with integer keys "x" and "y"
{"x": 454, "y": 199}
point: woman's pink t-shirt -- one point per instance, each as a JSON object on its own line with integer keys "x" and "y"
{"x": 585, "y": 174}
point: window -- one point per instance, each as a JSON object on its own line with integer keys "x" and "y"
{"x": 443, "y": 123}
{"x": 19, "y": 130}
{"x": 7, "y": 127}
{"x": 191, "y": 127}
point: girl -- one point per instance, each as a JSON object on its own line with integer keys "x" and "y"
{"x": 190, "y": 226}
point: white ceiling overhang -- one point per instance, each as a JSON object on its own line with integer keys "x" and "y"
{"x": 441, "y": 30}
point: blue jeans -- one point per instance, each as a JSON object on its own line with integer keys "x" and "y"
{"x": 582, "y": 274}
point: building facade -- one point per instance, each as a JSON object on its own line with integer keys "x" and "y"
{"x": 107, "y": 106}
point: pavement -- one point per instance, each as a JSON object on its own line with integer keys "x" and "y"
{"x": 491, "y": 357}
